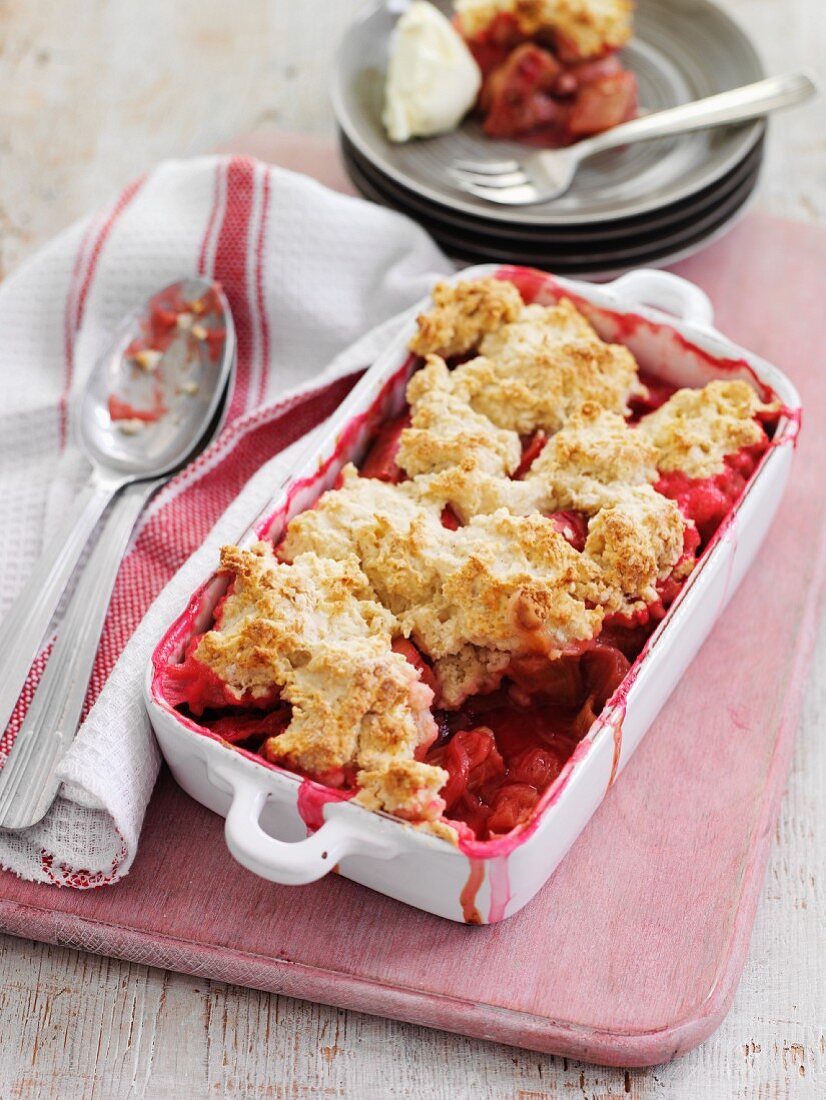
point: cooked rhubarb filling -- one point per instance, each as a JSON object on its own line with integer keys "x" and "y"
{"x": 550, "y": 74}
{"x": 439, "y": 632}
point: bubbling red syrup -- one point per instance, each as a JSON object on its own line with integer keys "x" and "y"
{"x": 239, "y": 728}
{"x": 658, "y": 393}
{"x": 415, "y": 658}
{"x": 707, "y": 501}
{"x": 199, "y": 688}
{"x": 573, "y": 526}
{"x": 532, "y": 447}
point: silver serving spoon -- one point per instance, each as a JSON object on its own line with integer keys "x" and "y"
{"x": 29, "y": 783}
{"x": 142, "y": 415}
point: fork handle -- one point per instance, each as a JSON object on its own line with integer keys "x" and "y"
{"x": 28, "y": 783}
{"x": 737, "y": 105}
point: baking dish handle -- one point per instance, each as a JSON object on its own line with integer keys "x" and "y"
{"x": 299, "y": 862}
{"x": 665, "y": 292}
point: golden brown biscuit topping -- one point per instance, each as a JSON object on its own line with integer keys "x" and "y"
{"x": 373, "y": 561}
{"x": 462, "y": 314}
{"x": 635, "y": 540}
{"x": 596, "y": 452}
{"x": 536, "y": 371}
{"x": 407, "y": 788}
{"x": 446, "y": 431}
{"x": 695, "y": 429}
{"x": 314, "y": 631}
{"x": 502, "y": 582}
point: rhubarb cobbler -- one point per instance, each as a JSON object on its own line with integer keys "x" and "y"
{"x": 546, "y": 72}
{"x": 435, "y": 636}
{"x": 550, "y": 70}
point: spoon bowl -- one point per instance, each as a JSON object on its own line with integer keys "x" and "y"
{"x": 168, "y": 364}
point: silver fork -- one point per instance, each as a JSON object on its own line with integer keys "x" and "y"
{"x": 546, "y": 175}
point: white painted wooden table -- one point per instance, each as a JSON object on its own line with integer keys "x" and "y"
{"x": 91, "y": 93}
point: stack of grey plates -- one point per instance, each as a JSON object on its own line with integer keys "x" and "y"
{"x": 644, "y": 205}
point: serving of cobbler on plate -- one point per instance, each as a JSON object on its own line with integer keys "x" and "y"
{"x": 544, "y": 72}
{"x": 437, "y": 634}
{"x": 550, "y": 69}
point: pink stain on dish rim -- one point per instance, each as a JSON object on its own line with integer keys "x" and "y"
{"x": 467, "y": 898}
{"x": 534, "y": 286}
{"x": 313, "y": 797}
{"x": 500, "y": 889}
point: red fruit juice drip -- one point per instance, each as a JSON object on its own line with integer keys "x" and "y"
{"x": 467, "y": 898}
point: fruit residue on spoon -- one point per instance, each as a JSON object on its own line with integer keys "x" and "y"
{"x": 170, "y": 318}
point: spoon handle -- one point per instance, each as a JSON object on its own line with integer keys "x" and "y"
{"x": 24, "y": 627}
{"x": 53, "y": 716}
{"x": 736, "y": 105}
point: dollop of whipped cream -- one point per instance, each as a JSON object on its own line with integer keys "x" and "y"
{"x": 432, "y": 78}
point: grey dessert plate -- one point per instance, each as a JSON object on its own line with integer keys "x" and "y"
{"x": 681, "y": 50}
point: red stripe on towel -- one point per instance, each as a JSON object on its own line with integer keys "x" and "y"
{"x": 230, "y": 268}
{"x": 264, "y": 343}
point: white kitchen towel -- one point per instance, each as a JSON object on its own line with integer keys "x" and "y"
{"x": 311, "y": 276}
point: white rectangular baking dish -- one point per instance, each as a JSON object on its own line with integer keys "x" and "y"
{"x": 269, "y": 811}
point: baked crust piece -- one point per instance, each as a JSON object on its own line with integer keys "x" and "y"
{"x": 408, "y": 788}
{"x": 582, "y": 465}
{"x": 462, "y": 314}
{"x": 596, "y": 465}
{"x": 506, "y": 583}
{"x": 473, "y": 492}
{"x": 536, "y": 369}
{"x": 589, "y": 27}
{"x": 314, "y": 630}
{"x": 695, "y": 429}
{"x": 446, "y": 431}
{"x": 387, "y": 528}
{"x": 474, "y": 670}
{"x": 636, "y": 540}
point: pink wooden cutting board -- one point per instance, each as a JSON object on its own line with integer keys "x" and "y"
{"x": 632, "y": 952}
